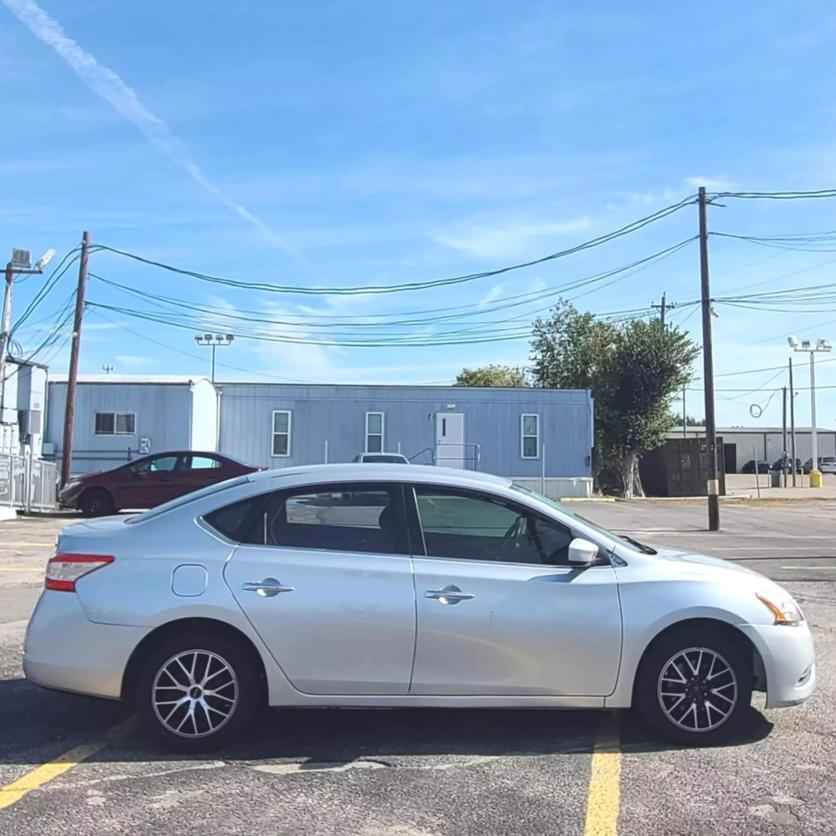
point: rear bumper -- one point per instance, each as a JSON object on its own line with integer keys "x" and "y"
{"x": 789, "y": 662}
{"x": 63, "y": 649}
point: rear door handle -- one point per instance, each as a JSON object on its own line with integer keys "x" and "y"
{"x": 451, "y": 594}
{"x": 266, "y": 588}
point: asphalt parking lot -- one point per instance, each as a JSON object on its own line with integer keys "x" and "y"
{"x": 72, "y": 762}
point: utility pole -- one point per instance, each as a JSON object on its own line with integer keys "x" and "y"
{"x": 784, "y": 435}
{"x": 792, "y": 426}
{"x": 713, "y": 485}
{"x": 72, "y": 378}
{"x": 684, "y": 415}
{"x": 18, "y": 266}
{"x": 663, "y": 308}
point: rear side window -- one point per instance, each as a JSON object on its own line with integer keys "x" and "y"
{"x": 346, "y": 518}
{"x": 236, "y": 521}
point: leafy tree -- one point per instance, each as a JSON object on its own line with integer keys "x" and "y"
{"x": 634, "y": 371}
{"x": 494, "y": 375}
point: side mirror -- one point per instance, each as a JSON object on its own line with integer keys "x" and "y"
{"x": 582, "y": 552}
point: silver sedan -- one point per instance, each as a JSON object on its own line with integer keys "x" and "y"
{"x": 344, "y": 585}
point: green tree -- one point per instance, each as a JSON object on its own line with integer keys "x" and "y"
{"x": 634, "y": 370}
{"x": 511, "y": 377}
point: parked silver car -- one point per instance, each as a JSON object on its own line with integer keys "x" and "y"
{"x": 345, "y": 585}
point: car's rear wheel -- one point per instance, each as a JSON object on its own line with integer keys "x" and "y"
{"x": 96, "y": 502}
{"x": 695, "y": 686}
{"x": 197, "y": 691}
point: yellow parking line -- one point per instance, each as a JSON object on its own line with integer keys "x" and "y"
{"x": 604, "y": 796}
{"x": 12, "y": 793}
{"x": 26, "y": 545}
{"x": 21, "y": 568}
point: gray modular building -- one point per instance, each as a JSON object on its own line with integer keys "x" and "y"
{"x": 118, "y": 417}
{"x": 541, "y": 437}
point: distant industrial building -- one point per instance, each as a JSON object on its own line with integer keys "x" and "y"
{"x": 744, "y": 444}
{"x": 540, "y": 437}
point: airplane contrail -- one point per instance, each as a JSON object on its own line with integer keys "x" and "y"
{"x": 109, "y": 86}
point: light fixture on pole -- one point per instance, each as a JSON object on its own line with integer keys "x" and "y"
{"x": 214, "y": 340}
{"x": 821, "y": 345}
{"x": 20, "y": 264}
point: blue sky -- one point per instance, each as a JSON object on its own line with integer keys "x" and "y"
{"x": 335, "y": 144}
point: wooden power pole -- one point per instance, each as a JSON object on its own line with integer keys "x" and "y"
{"x": 72, "y": 378}
{"x": 713, "y": 483}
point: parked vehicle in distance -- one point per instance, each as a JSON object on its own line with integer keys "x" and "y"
{"x": 827, "y": 464}
{"x": 148, "y": 481}
{"x": 749, "y": 467}
{"x": 381, "y": 458}
{"x": 402, "y": 586}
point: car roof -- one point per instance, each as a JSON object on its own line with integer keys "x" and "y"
{"x": 383, "y": 472}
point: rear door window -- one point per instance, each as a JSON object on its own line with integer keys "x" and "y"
{"x": 355, "y": 517}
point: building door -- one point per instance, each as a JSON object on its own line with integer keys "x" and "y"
{"x": 449, "y": 439}
{"x": 730, "y": 458}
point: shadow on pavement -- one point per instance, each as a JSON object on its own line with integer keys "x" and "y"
{"x": 41, "y": 725}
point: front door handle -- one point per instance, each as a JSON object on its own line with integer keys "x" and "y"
{"x": 266, "y": 588}
{"x": 451, "y": 594}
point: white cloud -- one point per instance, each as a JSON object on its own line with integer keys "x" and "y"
{"x": 712, "y": 184}
{"x": 507, "y": 240}
{"x": 491, "y": 296}
{"x": 109, "y": 86}
{"x": 133, "y": 361}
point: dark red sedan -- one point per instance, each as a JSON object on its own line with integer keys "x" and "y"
{"x": 149, "y": 481}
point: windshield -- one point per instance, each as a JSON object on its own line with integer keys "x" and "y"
{"x": 625, "y": 541}
{"x": 186, "y": 498}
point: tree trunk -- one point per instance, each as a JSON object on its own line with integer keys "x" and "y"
{"x": 638, "y": 488}
{"x": 628, "y": 474}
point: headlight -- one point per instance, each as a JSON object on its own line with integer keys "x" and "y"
{"x": 785, "y": 610}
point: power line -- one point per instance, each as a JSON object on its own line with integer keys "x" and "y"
{"x": 628, "y": 229}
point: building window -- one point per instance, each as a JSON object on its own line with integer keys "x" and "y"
{"x": 530, "y": 436}
{"x": 374, "y": 432}
{"x": 281, "y": 432}
{"x": 115, "y": 423}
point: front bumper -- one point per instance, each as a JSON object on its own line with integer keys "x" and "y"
{"x": 63, "y": 649}
{"x": 788, "y": 659}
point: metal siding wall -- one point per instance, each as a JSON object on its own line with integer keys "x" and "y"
{"x": 162, "y": 413}
{"x": 337, "y": 413}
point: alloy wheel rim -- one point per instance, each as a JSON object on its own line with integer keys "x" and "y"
{"x": 194, "y": 693}
{"x": 697, "y": 689}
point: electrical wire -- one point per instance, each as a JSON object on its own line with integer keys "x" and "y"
{"x": 628, "y": 229}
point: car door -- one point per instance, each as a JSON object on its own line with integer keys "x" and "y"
{"x": 500, "y": 611}
{"x": 196, "y": 471}
{"x": 148, "y": 482}
{"x": 325, "y": 578}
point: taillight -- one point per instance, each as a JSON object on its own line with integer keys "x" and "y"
{"x": 63, "y": 570}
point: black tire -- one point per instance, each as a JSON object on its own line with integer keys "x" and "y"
{"x": 96, "y": 502}
{"x": 662, "y": 710}
{"x": 239, "y": 700}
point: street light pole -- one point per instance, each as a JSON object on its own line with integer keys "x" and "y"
{"x": 213, "y": 341}
{"x": 814, "y": 439}
{"x": 820, "y": 345}
{"x": 20, "y": 265}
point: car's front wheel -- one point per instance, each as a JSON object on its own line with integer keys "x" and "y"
{"x": 694, "y": 686}
{"x": 197, "y": 691}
